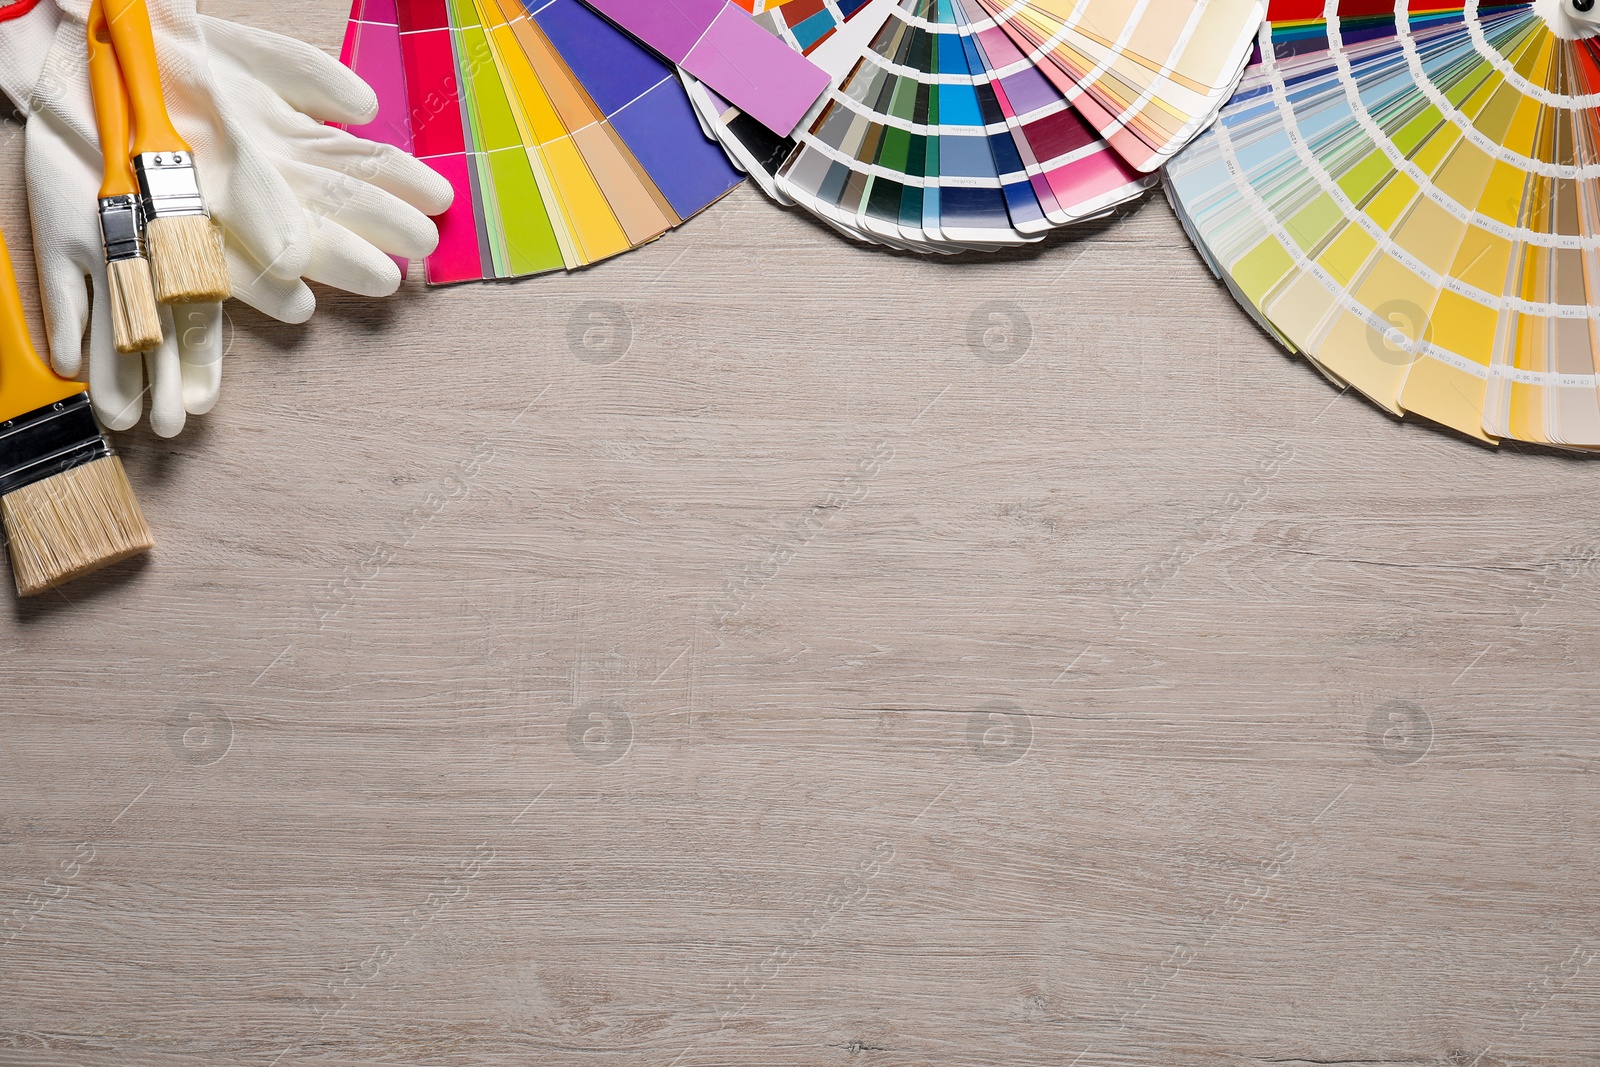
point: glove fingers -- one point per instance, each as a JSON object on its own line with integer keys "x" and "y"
{"x": 166, "y": 382}
{"x": 380, "y": 165}
{"x": 200, "y": 352}
{"x": 310, "y": 143}
{"x": 255, "y": 212}
{"x": 410, "y": 179}
{"x": 341, "y": 259}
{"x": 116, "y": 381}
{"x": 65, "y": 300}
{"x": 307, "y": 78}
{"x": 376, "y": 216}
{"x": 66, "y": 241}
{"x": 286, "y": 301}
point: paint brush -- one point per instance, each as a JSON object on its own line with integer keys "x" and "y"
{"x": 185, "y": 244}
{"x": 135, "y": 321}
{"x": 65, "y": 501}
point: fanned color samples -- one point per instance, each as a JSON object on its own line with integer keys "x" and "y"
{"x": 566, "y": 140}
{"x": 954, "y": 125}
{"x": 1407, "y": 195}
{"x": 1147, "y": 74}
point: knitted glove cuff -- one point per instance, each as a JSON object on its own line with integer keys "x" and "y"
{"x": 16, "y": 9}
{"x": 27, "y": 29}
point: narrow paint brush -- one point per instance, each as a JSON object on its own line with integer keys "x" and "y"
{"x": 135, "y": 321}
{"x": 65, "y": 501}
{"x": 185, "y": 245}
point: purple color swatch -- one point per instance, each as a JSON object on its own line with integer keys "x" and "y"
{"x": 720, "y": 44}
{"x": 671, "y": 27}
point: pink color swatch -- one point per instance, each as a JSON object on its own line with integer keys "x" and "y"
{"x": 437, "y": 134}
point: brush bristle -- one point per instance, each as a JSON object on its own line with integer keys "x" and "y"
{"x": 73, "y": 524}
{"x": 186, "y": 260}
{"x": 134, "y": 318}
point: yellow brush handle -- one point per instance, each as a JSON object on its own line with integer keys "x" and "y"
{"x": 136, "y": 52}
{"x": 26, "y": 384}
{"x": 110, "y": 107}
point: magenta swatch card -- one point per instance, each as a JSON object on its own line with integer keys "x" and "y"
{"x": 372, "y": 50}
{"x": 438, "y": 135}
{"x": 721, "y": 44}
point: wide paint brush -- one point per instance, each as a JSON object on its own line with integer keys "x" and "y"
{"x": 65, "y": 500}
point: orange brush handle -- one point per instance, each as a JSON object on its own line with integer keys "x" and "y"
{"x": 129, "y": 21}
{"x": 110, "y": 107}
{"x": 26, "y": 384}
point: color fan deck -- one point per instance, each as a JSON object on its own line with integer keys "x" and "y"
{"x": 954, "y": 125}
{"x": 567, "y": 143}
{"x": 1407, "y": 196}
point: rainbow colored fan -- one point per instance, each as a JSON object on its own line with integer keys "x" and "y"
{"x": 567, "y": 141}
{"x": 952, "y": 125}
{"x": 1407, "y": 195}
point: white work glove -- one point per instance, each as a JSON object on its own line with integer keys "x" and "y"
{"x": 295, "y": 199}
{"x": 24, "y": 44}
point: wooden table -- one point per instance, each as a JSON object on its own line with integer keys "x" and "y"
{"x": 763, "y": 650}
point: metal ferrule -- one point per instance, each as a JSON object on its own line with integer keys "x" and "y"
{"x": 122, "y": 228}
{"x": 49, "y": 441}
{"x": 169, "y": 184}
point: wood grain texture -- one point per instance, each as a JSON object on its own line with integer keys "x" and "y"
{"x": 760, "y": 650}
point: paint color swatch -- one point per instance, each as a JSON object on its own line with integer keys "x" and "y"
{"x": 938, "y": 132}
{"x": 372, "y": 50}
{"x": 716, "y": 41}
{"x": 566, "y": 140}
{"x": 1410, "y": 197}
